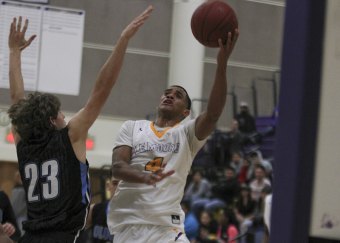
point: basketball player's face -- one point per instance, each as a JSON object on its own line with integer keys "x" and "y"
{"x": 173, "y": 99}
{"x": 59, "y": 122}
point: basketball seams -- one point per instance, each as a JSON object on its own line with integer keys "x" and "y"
{"x": 205, "y": 36}
{"x": 228, "y": 22}
{"x": 196, "y": 22}
{"x": 218, "y": 26}
{"x": 211, "y": 21}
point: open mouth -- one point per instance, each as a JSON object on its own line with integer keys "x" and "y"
{"x": 167, "y": 102}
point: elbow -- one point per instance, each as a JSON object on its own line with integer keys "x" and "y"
{"x": 116, "y": 169}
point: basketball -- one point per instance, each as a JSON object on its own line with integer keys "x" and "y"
{"x": 213, "y": 20}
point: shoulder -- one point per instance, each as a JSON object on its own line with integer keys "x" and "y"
{"x": 130, "y": 126}
{"x": 188, "y": 124}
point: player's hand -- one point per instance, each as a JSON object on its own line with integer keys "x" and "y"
{"x": 227, "y": 48}
{"x": 153, "y": 178}
{"x": 8, "y": 229}
{"x": 133, "y": 27}
{"x": 16, "y": 39}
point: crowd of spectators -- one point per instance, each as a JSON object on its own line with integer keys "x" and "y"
{"x": 229, "y": 186}
{"x": 230, "y": 204}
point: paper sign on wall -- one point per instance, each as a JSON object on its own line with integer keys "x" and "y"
{"x": 53, "y": 61}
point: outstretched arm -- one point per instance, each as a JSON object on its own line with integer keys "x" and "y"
{"x": 17, "y": 43}
{"x": 107, "y": 77}
{"x": 206, "y": 121}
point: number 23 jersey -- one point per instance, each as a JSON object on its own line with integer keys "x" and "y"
{"x": 139, "y": 203}
{"x": 56, "y": 184}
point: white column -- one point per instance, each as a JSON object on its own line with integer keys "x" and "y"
{"x": 186, "y": 53}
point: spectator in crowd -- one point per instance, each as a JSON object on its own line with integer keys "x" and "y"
{"x": 237, "y": 161}
{"x": 204, "y": 236}
{"x": 233, "y": 140}
{"x": 224, "y": 193}
{"x": 227, "y": 188}
{"x": 7, "y": 218}
{"x": 245, "y": 120}
{"x": 246, "y": 171}
{"x": 207, "y": 228}
{"x": 257, "y": 159}
{"x": 226, "y": 226}
{"x": 245, "y": 210}
{"x": 18, "y": 201}
{"x": 236, "y": 137}
{"x": 258, "y": 221}
{"x": 259, "y": 182}
{"x": 191, "y": 224}
{"x": 198, "y": 188}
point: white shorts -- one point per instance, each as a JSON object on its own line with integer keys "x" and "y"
{"x": 140, "y": 233}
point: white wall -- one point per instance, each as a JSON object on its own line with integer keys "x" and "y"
{"x": 326, "y": 206}
{"x": 104, "y": 132}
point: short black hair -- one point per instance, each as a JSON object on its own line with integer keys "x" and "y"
{"x": 186, "y": 93}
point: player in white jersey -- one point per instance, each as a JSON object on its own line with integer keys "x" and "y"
{"x": 153, "y": 159}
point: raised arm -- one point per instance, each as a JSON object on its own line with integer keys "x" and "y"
{"x": 206, "y": 121}
{"x": 107, "y": 77}
{"x": 16, "y": 44}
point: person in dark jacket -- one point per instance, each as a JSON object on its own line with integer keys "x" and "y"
{"x": 7, "y": 218}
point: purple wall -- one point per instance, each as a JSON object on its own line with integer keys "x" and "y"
{"x": 297, "y": 125}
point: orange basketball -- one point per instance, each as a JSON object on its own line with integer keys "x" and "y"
{"x": 213, "y": 20}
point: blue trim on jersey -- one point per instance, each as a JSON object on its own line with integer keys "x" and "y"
{"x": 84, "y": 181}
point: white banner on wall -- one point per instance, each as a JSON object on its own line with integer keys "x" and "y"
{"x": 53, "y": 61}
{"x": 30, "y": 57}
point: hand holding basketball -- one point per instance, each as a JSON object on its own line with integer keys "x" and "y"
{"x": 213, "y": 20}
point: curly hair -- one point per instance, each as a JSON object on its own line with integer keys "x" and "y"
{"x": 31, "y": 117}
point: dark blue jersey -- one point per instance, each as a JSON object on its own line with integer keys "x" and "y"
{"x": 56, "y": 185}
{"x": 100, "y": 231}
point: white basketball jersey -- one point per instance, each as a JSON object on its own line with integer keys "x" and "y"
{"x": 138, "y": 203}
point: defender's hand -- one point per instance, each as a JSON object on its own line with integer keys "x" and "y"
{"x": 16, "y": 39}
